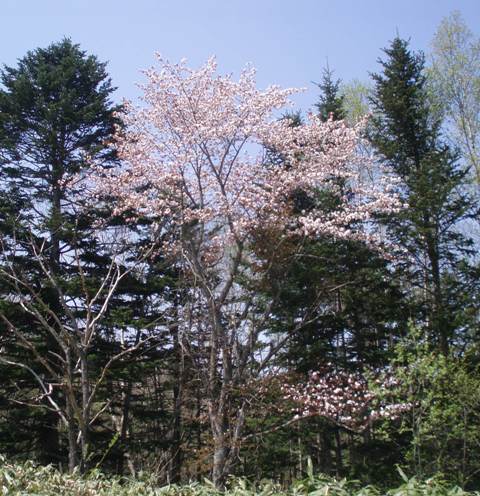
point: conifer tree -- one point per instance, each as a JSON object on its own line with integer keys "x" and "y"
{"x": 330, "y": 103}
{"x": 407, "y": 136}
{"x": 55, "y": 115}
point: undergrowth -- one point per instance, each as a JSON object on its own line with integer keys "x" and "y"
{"x": 28, "y": 479}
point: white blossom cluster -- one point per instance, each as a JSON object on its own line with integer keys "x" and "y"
{"x": 342, "y": 397}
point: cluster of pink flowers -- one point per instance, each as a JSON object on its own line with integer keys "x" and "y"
{"x": 342, "y": 397}
{"x": 196, "y": 153}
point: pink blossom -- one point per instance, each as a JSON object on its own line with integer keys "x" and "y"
{"x": 195, "y": 152}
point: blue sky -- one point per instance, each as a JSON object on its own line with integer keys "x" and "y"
{"x": 288, "y": 41}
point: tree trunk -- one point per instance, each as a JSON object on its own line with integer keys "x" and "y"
{"x": 70, "y": 414}
{"x": 127, "y": 395}
{"x": 85, "y": 421}
{"x": 220, "y": 458}
{"x": 221, "y": 448}
{"x": 176, "y": 448}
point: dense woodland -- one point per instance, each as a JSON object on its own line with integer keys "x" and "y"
{"x": 207, "y": 284}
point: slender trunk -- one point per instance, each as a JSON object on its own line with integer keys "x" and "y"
{"x": 72, "y": 441}
{"x": 198, "y": 430}
{"x": 463, "y": 477}
{"x": 221, "y": 447}
{"x": 293, "y": 468}
{"x": 226, "y": 441}
{"x": 125, "y": 427}
{"x": 85, "y": 421}
{"x": 176, "y": 449}
{"x": 127, "y": 395}
{"x": 71, "y": 427}
{"x": 300, "y": 453}
{"x": 50, "y": 437}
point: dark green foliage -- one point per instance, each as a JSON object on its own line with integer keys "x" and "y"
{"x": 56, "y": 110}
{"x": 55, "y": 115}
{"x": 406, "y": 134}
{"x": 358, "y": 306}
{"x": 330, "y": 104}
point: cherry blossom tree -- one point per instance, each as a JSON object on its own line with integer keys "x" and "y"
{"x": 196, "y": 153}
{"x": 345, "y": 398}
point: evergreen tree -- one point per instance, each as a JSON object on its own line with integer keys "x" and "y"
{"x": 330, "y": 104}
{"x": 406, "y": 134}
{"x": 55, "y": 115}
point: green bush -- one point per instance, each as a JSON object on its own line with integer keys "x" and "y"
{"x": 29, "y": 479}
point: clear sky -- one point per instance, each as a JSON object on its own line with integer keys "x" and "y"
{"x": 288, "y": 41}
